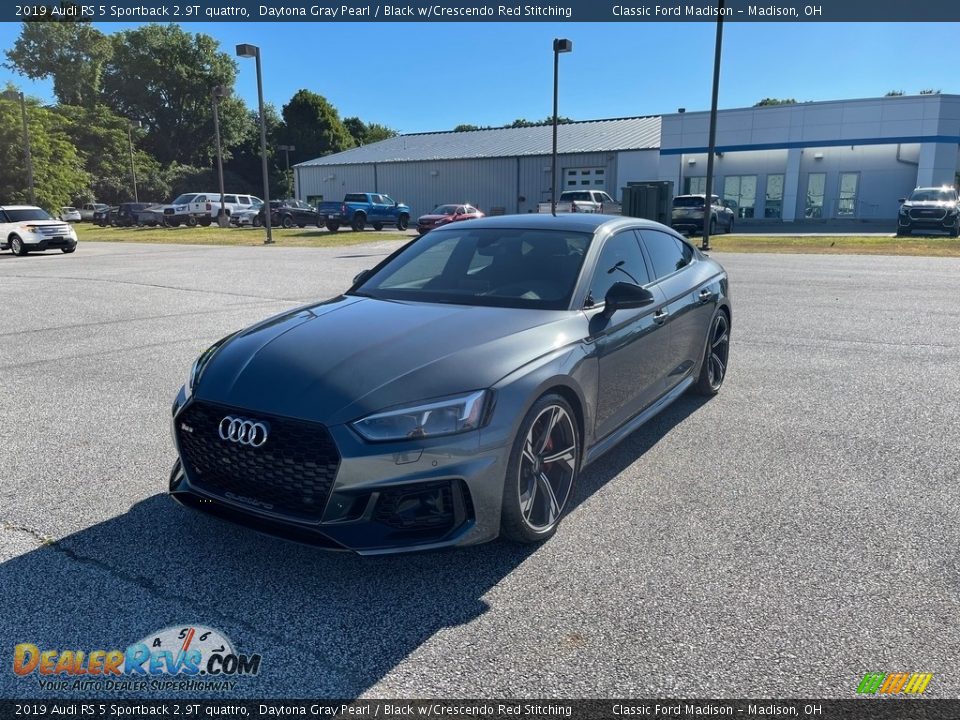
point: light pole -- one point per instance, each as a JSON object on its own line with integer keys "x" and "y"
{"x": 217, "y": 93}
{"x": 17, "y": 95}
{"x": 133, "y": 169}
{"x": 286, "y": 154}
{"x": 245, "y": 50}
{"x": 560, "y": 45}
{"x": 708, "y": 200}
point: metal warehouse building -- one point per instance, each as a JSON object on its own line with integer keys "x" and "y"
{"x": 849, "y": 159}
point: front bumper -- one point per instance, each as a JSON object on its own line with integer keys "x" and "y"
{"x": 54, "y": 243}
{"x": 382, "y": 498}
{"x": 945, "y": 223}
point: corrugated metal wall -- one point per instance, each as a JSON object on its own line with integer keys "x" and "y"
{"x": 486, "y": 182}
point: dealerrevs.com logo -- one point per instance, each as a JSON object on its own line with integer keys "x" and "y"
{"x": 187, "y": 657}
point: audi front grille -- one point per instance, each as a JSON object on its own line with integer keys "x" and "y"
{"x": 936, "y": 214}
{"x": 290, "y": 474}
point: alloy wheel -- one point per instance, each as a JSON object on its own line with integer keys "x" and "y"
{"x": 719, "y": 350}
{"x": 548, "y": 467}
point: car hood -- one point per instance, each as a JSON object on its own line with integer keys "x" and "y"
{"x": 933, "y": 204}
{"x": 340, "y": 360}
{"x": 434, "y": 218}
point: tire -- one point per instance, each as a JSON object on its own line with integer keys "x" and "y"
{"x": 300, "y": 226}
{"x": 333, "y": 227}
{"x": 730, "y": 227}
{"x": 716, "y": 356}
{"x": 713, "y": 226}
{"x": 17, "y": 246}
{"x": 173, "y": 223}
{"x": 536, "y": 493}
{"x": 256, "y": 222}
{"x": 287, "y": 222}
{"x": 403, "y": 221}
{"x": 206, "y": 223}
{"x": 378, "y": 226}
{"x": 955, "y": 230}
{"x": 191, "y": 221}
{"x": 68, "y": 250}
{"x": 903, "y": 232}
{"x": 359, "y": 222}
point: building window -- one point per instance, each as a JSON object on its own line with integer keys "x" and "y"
{"x": 773, "y": 207}
{"x": 816, "y": 184}
{"x": 847, "y": 201}
{"x": 740, "y": 194}
{"x": 695, "y": 185}
{"x": 585, "y": 177}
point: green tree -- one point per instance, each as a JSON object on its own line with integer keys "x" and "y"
{"x": 58, "y": 172}
{"x": 930, "y": 92}
{"x": 163, "y": 76}
{"x": 464, "y": 127}
{"x": 894, "y": 93}
{"x": 246, "y": 165}
{"x": 775, "y": 101}
{"x": 74, "y": 54}
{"x": 522, "y": 122}
{"x": 313, "y": 126}
{"x": 366, "y": 133}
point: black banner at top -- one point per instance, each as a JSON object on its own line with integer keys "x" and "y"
{"x": 484, "y": 11}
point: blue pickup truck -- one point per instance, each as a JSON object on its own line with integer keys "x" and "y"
{"x": 361, "y": 209}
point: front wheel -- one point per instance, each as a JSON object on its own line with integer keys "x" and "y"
{"x": 359, "y": 222}
{"x": 17, "y": 247}
{"x": 68, "y": 250}
{"x": 542, "y": 471}
{"x": 287, "y": 222}
{"x": 730, "y": 226}
{"x": 716, "y": 356}
{"x": 402, "y": 222}
{"x": 257, "y": 222}
{"x": 191, "y": 221}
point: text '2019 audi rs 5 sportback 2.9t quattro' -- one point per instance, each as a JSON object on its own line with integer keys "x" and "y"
{"x": 456, "y": 390}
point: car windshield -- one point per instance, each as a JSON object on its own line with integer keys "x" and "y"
{"x": 184, "y": 199}
{"x": 576, "y": 195}
{"x": 499, "y": 267}
{"x": 445, "y": 210}
{"x": 28, "y": 214}
{"x": 688, "y": 202}
{"x": 933, "y": 195}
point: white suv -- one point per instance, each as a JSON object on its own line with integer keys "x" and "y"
{"x": 24, "y": 228}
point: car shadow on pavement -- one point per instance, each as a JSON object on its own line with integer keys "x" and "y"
{"x": 326, "y": 624}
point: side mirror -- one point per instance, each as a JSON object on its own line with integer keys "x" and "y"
{"x": 624, "y": 295}
{"x": 901, "y": 200}
{"x": 396, "y": 203}
{"x": 360, "y": 276}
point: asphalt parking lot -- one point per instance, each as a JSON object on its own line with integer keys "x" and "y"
{"x": 782, "y": 539}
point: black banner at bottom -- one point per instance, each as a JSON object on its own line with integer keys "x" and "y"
{"x": 859, "y": 709}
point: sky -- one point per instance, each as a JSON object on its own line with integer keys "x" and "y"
{"x": 423, "y": 77}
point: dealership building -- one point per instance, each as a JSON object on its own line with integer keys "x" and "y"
{"x": 845, "y": 159}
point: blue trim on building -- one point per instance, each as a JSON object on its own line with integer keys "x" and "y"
{"x": 818, "y": 143}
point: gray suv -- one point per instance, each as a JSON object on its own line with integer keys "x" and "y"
{"x": 929, "y": 208}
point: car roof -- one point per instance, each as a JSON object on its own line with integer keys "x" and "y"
{"x": 20, "y": 207}
{"x": 578, "y": 222}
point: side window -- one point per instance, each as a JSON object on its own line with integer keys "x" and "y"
{"x": 667, "y": 253}
{"x": 199, "y": 199}
{"x": 621, "y": 260}
{"x": 230, "y": 199}
{"x": 3, "y": 217}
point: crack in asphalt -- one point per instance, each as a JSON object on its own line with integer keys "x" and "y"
{"x": 154, "y": 589}
{"x": 104, "y": 323}
{"x": 161, "y": 287}
{"x": 113, "y": 351}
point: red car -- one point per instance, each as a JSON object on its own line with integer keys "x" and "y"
{"x": 444, "y": 214}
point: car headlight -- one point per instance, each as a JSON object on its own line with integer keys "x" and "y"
{"x": 446, "y": 416}
{"x": 201, "y": 363}
{"x": 904, "y": 210}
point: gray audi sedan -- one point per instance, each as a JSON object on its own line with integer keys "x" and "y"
{"x": 456, "y": 390}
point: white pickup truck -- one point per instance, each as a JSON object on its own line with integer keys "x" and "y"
{"x": 583, "y": 201}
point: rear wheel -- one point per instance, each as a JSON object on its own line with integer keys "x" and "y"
{"x": 542, "y": 471}
{"x": 359, "y": 222}
{"x": 16, "y": 246}
{"x": 333, "y": 226}
{"x": 716, "y": 356}
{"x": 402, "y": 222}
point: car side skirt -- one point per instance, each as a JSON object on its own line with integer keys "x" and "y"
{"x": 618, "y": 435}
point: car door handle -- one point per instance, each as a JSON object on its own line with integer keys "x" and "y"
{"x": 705, "y": 295}
{"x": 660, "y": 316}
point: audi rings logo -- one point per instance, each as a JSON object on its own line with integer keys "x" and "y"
{"x": 242, "y": 431}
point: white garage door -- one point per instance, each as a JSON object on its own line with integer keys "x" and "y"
{"x": 591, "y": 177}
